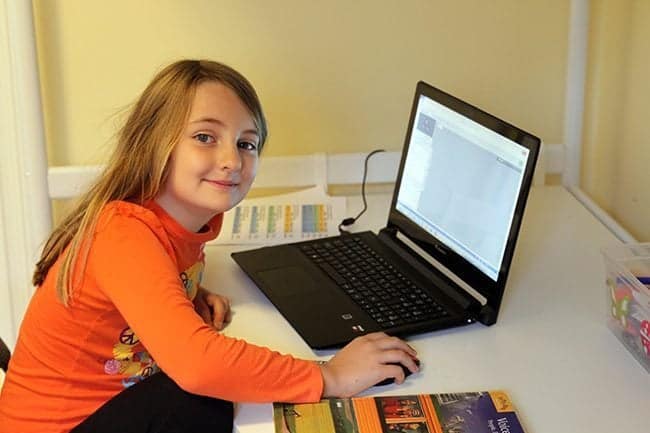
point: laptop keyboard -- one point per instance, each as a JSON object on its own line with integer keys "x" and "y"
{"x": 376, "y": 286}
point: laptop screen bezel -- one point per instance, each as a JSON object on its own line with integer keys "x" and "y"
{"x": 491, "y": 289}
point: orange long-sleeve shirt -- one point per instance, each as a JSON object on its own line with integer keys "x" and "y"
{"x": 130, "y": 315}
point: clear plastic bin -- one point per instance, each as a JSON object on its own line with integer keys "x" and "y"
{"x": 628, "y": 292}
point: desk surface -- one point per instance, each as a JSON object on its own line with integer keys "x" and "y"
{"x": 550, "y": 350}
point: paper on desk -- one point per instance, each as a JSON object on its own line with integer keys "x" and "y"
{"x": 253, "y": 418}
{"x": 292, "y": 217}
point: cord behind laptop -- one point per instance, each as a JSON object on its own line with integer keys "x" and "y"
{"x": 351, "y": 220}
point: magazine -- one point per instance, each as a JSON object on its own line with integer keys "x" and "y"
{"x": 466, "y": 412}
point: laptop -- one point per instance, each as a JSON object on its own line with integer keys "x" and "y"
{"x": 441, "y": 261}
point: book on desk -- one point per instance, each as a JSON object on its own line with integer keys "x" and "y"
{"x": 465, "y": 412}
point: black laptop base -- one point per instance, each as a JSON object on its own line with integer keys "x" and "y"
{"x": 329, "y": 307}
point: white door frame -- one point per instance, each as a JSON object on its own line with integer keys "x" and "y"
{"x": 25, "y": 217}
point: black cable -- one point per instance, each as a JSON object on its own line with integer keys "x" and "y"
{"x": 349, "y": 221}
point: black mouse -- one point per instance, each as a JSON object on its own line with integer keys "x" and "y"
{"x": 390, "y": 380}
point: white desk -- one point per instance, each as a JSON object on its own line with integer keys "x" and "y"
{"x": 550, "y": 349}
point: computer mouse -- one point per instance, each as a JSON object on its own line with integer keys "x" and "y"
{"x": 390, "y": 380}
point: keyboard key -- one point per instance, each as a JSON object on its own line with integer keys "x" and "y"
{"x": 329, "y": 270}
{"x": 386, "y": 294}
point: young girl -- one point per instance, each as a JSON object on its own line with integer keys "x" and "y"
{"x": 120, "y": 335}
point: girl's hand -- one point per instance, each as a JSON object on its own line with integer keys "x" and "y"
{"x": 364, "y": 362}
{"x": 214, "y": 309}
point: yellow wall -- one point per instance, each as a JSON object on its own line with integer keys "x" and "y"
{"x": 334, "y": 76}
{"x": 616, "y": 145}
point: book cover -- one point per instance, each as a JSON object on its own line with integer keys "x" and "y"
{"x": 466, "y": 412}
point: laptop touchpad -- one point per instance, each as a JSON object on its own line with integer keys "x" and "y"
{"x": 288, "y": 281}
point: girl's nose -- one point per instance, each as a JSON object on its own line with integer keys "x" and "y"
{"x": 228, "y": 156}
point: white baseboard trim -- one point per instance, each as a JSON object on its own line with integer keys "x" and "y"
{"x": 71, "y": 180}
{"x": 294, "y": 171}
{"x": 601, "y": 215}
{"x": 66, "y": 182}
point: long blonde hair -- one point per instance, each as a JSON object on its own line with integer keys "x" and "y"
{"x": 138, "y": 166}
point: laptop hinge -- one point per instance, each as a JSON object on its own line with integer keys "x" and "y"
{"x": 487, "y": 315}
{"x": 469, "y": 299}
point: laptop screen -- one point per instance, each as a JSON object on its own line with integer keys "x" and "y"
{"x": 460, "y": 183}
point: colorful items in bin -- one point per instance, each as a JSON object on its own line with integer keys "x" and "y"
{"x": 644, "y": 333}
{"x": 627, "y": 268}
{"x": 621, "y": 297}
{"x": 631, "y": 309}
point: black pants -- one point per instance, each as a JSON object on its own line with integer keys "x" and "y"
{"x": 158, "y": 405}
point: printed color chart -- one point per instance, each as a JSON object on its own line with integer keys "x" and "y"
{"x": 288, "y": 218}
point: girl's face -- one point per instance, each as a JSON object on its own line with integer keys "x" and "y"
{"x": 214, "y": 163}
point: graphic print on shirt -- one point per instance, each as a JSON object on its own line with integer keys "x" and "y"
{"x": 129, "y": 356}
{"x": 191, "y": 279}
{"x": 130, "y": 359}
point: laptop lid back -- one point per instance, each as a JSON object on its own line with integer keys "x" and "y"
{"x": 461, "y": 190}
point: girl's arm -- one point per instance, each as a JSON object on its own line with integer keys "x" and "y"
{"x": 132, "y": 266}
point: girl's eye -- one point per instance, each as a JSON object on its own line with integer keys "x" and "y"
{"x": 204, "y": 138}
{"x": 247, "y": 145}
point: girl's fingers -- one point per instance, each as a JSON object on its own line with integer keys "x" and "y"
{"x": 384, "y": 342}
{"x": 203, "y": 310}
{"x": 220, "y": 310}
{"x": 397, "y": 356}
